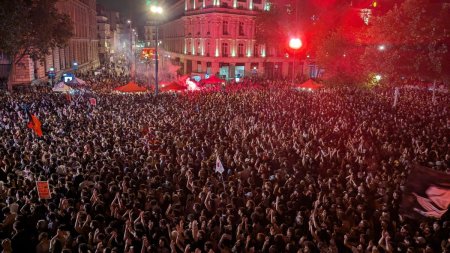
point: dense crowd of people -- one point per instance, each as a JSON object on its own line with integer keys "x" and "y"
{"x": 316, "y": 171}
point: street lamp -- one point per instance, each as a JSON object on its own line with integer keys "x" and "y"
{"x": 75, "y": 66}
{"x": 156, "y": 10}
{"x": 381, "y": 47}
{"x": 294, "y": 43}
{"x": 132, "y": 69}
{"x": 51, "y": 75}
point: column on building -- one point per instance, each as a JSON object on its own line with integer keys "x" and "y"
{"x": 215, "y": 68}
{"x": 261, "y": 69}
{"x": 55, "y": 55}
{"x": 67, "y": 55}
{"x": 232, "y": 70}
{"x": 204, "y": 66}
{"x": 247, "y": 69}
{"x": 285, "y": 68}
{"x": 194, "y": 65}
{"x": 40, "y": 69}
{"x": 74, "y": 51}
{"x": 49, "y": 61}
{"x": 62, "y": 58}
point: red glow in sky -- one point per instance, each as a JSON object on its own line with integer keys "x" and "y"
{"x": 324, "y": 3}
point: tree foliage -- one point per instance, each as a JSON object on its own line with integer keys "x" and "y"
{"x": 337, "y": 44}
{"x": 416, "y": 38}
{"x": 32, "y": 27}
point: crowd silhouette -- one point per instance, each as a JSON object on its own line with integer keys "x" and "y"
{"x": 319, "y": 171}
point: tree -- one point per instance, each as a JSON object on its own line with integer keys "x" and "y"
{"x": 337, "y": 44}
{"x": 31, "y": 27}
{"x": 415, "y": 38}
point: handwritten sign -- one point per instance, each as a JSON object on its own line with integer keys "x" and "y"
{"x": 43, "y": 189}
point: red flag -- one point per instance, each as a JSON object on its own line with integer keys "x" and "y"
{"x": 35, "y": 124}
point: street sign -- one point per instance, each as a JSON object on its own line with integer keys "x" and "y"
{"x": 75, "y": 65}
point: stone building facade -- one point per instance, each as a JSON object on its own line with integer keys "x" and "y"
{"x": 82, "y": 47}
{"x": 105, "y": 37}
{"x": 217, "y": 37}
{"x": 150, "y": 33}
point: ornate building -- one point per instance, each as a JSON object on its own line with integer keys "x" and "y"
{"x": 218, "y": 37}
{"x": 150, "y": 33}
{"x": 105, "y": 35}
{"x": 82, "y": 47}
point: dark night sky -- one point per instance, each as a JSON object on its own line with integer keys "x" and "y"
{"x": 125, "y": 7}
{"x": 136, "y": 9}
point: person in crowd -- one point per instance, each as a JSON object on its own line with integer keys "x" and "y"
{"x": 319, "y": 171}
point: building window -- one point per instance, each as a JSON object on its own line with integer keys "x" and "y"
{"x": 255, "y": 51}
{"x": 208, "y": 45}
{"x": 241, "y": 28}
{"x": 224, "y": 49}
{"x": 241, "y": 50}
{"x": 225, "y": 27}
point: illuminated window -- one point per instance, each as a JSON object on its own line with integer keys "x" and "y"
{"x": 225, "y": 27}
{"x": 224, "y": 49}
{"x": 241, "y": 28}
{"x": 241, "y": 50}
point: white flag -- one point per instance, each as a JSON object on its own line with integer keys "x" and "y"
{"x": 396, "y": 93}
{"x": 219, "y": 166}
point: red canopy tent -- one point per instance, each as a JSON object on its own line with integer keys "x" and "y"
{"x": 174, "y": 86}
{"x": 309, "y": 85}
{"x": 212, "y": 80}
{"x": 131, "y": 87}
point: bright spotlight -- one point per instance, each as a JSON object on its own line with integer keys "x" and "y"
{"x": 295, "y": 43}
{"x": 378, "y": 78}
{"x": 381, "y": 47}
{"x": 156, "y": 9}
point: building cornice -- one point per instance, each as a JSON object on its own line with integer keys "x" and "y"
{"x": 222, "y": 11}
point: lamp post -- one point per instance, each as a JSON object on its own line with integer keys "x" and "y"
{"x": 295, "y": 44}
{"x": 51, "y": 75}
{"x": 132, "y": 68}
{"x": 156, "y": 10}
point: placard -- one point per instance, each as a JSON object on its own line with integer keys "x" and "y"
{"x": 43, "y": 189}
